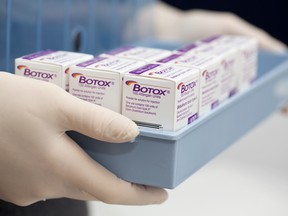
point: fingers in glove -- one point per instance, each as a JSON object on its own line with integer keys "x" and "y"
{"x": 236, "y": 25}
{"x": 94, "y": 182}
{"x": 96, "y": 121}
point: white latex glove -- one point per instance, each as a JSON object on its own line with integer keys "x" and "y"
{"x": 39, "y": 161}
{"x": 187, "y": 26}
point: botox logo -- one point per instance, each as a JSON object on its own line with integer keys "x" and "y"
{"x": 209, "y": 75}
{"x": 89, "y": 81}
{"x": 21, "y": 67}
{"x": 35, "y": 74}
{"x": 144, "y": 89}
{"x": 67, "y": 70}
{"x": 75, "y": 75}
{"x": 186, "y": 87}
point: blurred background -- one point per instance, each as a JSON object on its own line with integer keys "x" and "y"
{"x": 89, "y": 26}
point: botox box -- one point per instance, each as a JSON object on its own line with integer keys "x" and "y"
{"x": 247, "y": 54}
{"x": 210, "y": 70}
{"x": 49, "y": 65}
{"x": 161, "y": 96}
{"x": 99, "y": 80}
{"x": 230, "y": 71}
{"x": 225, "y": 46}
{"x": 247, "y": 59}
{"x": 167, "y": 158}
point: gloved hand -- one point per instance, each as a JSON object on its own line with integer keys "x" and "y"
{"x": 39, "y": 161}
{"x": 192, "y": 25}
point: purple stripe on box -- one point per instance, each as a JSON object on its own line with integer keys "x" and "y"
{"x": 214, "y": 104}
{"x": 119, "y": 50}
{"x": 144, "y": 68}
{"x": 38, "y": 54}
{"x": 90, "y": 62}
{"x": 192, "y": 118}
{"x": 232, "y": 92}
{"x": 169, "y": 58}
{"x": 187, "y": 48}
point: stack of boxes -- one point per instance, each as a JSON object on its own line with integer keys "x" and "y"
{"x": 154, "y": 87}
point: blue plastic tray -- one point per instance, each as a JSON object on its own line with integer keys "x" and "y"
{"x": 158, "y": 158}
{"x": 165, "y": 159}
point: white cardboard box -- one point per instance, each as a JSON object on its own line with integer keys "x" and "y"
{"x": 99, "y": 80}
{"x": 49, "y": 65}
{"x": 210, "y": 71}
{"x": 164, "y": 96}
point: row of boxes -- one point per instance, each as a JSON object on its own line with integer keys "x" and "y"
{"x": 154, "y": 87}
